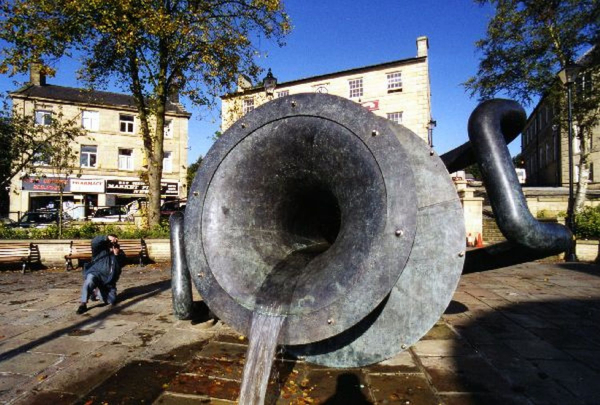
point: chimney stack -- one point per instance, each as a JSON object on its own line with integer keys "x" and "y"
{"x": 422, "y": 46}
{"x": 36, "y": 75}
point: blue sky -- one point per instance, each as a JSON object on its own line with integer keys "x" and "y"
{"x": 333, "y": 35}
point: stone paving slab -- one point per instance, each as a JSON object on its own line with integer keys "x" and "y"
{"x": 527, "y": 334}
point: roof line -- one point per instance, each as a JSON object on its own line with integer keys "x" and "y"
{"x": 329, "y": 75}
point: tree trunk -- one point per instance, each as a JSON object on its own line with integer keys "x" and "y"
{"x": 60, "y": 213}
{"x": 584, "y": 174}
{"x": 155, "y": 167}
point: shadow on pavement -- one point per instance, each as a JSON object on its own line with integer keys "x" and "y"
{"x": 347, "y": 392}
{"x": 529, "y": 352}
{"x": 126, "y": 299}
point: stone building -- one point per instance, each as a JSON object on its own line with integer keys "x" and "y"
{"x": 397, "y": 90}
{"x": 111, "y": 155}
{"x": 544, "y": 144}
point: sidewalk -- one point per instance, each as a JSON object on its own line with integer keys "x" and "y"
{"x": 528, "y": 334}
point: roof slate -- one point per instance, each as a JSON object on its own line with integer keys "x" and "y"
{"x": 84, "y": 96}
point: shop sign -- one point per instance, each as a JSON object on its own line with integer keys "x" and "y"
{"x": 138, "y": 187}
{"x": 87, "y": 185}
{"x": 371, "y": 105}
{"x": 45, "y": 184}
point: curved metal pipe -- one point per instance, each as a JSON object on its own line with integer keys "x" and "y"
{"x": 464, "y": 155}
{"x": 181, "y": 284}
{"x": 488, "y": 124}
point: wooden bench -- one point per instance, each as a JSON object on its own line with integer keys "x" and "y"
{"x": 19, "y": 252}
{"x": 82, "y": 251}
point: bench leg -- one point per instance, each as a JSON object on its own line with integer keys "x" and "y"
{"x": 24, "y": 267}
{"x": 141, "y": 261}
{"x": 68, "y": 265}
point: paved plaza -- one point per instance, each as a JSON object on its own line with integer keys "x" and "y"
{"x": 527, "y": 334}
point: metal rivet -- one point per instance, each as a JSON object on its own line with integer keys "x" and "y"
{"x": 329, "y": 321}
{"x": 243, "y": 125}
{"x": 461, "y": 254}
{"x": 403, "y": 347}
{"x": 196, "y": 194}
{"x": 374, "y": 132}
{"x": 200, "y": 275}
{"x": 293, "y": 103}
{"x": 431, "y": 152}
{"x": 399, "y": 232}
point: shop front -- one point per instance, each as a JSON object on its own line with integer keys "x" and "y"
{"x": 82, "y": 196}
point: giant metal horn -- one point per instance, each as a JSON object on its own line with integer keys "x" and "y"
{"x": 348, "y": 225}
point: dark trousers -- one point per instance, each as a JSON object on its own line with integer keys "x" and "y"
{"x": 107, "y": 292}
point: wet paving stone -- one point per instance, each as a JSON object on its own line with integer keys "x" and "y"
{"x": 223, "y": 351}
{"x": 327, "y": 386}
{"x": 402, "y": 389}
{"x": 440, "y": 331}
{"x": 137, "y": 382}
{"x": 175, "y": 399}
{"x": 231, "y": 370}
{"x": 401, "y": 363}
{"x": 181, "y": 354}
{"x": 205, "y": 386}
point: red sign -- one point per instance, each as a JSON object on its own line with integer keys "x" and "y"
{"x": 371, "y": 105}
{"x": 45, "y": 184}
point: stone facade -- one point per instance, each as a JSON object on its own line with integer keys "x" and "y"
{"x": 399, "y": 90}
{"x": 111, "y": 154}
{"x": 545, "y": 147}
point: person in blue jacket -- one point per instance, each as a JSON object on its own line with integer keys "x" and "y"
{"x": 102, "y": 272}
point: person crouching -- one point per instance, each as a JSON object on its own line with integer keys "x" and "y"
{"x": 102, "y": 272}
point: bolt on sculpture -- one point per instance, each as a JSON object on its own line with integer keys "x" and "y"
{"x": 347, "y": 225}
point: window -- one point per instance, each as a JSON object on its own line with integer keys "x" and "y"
{"x": 40, "y": 159}
{"x": 248, "y": 105}
{"x": 90, "y": 120}
{"x": 356, "y": 87}
{"x": 394, "y": 81}
{"x": 125, "y": 159}
{"x": 43, "y": 117}
{"x": 168, "y": 128}
{"x": 88, "y": 156}
{"x": 283, "y": 93}
{"x": 168, "y": 162}
{"x": 126, "y": 123}
{"x": 395, "y": 116}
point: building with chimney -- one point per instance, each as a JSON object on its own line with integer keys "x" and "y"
{"x": 111, "y": 155}
{"x": 398, "y": 90}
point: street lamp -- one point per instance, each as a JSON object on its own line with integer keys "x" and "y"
{"x": 430, "y": 125}
{"x": 567, "y": 76}
{"x": 269, "y": 83}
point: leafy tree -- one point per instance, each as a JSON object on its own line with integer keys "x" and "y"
{"x": 527, "y": 44}
{"x": 152, "y": 48}
{"x": 191, "y": 171}
{"x": 61, "y": 161}
{"x": 25, "y": 144}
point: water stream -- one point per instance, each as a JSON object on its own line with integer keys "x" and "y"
{"x": 259, "y": 357}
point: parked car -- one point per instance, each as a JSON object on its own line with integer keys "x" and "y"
{"x": 170, "y": 207}
{"x": 6, "y": 222}
{"x": 117, "y": 213}
{"x": 40, "y": 219}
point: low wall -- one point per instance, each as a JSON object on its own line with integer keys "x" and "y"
{"x": 52, "y": 252}
{"x": 588, "y": 251}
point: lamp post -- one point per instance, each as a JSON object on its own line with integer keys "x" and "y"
{"x": 430, "y": 125}
{"x": 567, "y": 76}
{"x": 269, "y": 83}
